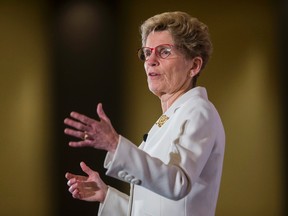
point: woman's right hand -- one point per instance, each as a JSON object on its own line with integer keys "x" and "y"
{"x": 88, "y": 188}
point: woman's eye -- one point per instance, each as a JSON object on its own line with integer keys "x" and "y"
{"x": 164, "y": 52}
{"x": 147, "y": 53}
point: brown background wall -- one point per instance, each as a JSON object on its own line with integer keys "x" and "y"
{"x": 48, "y": 68}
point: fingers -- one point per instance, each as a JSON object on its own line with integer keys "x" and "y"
{"x": 85, "y": 119}
{"x": 75, "y": 133}
{"x": 82, "y": 118}
{"x": 82, "y": 128}
{"x": 83, "y": 195}
{"x": 81, "y": 123}
{"x": 79, "y": 144}
{"x": 69, "y": 176}
{"x": 85, "y": 128}
{"x": 86, "y": 169}
{"x": 80, "y": 135}
{"x": 72, "y": 178}
{"x": 82, "y": 190}
{"x": 76, "y": 194}
{"x": 101, "y": 112}
{"x": 76, "y": 124}
{"x": 75, "y": 184}
{"x": 85, "y": 141}
{"x": 75, "y": 191}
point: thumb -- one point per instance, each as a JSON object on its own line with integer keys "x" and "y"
{"x": 101, "y": 112}
{"x": 86, "y": 169}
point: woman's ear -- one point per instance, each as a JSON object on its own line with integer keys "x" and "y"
{"x": 196, "y": 66}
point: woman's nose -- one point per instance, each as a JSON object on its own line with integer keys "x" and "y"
{"x": 152, "y": 60}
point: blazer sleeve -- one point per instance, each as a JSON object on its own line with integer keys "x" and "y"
{"x": 114, "y": 198}
{"x": 190, "y": 149}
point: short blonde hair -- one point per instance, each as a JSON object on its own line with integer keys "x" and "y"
{"x": 189, "y": 34}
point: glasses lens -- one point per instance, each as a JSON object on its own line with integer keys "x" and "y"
{"x": 144, "y": 53}
{"x": 163, "y": 51}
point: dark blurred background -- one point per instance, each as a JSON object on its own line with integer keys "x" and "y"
{"x": 85, "y": 66}
{"x": 63, "y": 56}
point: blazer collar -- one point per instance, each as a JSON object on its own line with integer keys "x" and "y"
{"x": 196, "y": 91}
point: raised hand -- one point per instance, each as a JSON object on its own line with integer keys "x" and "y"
{"x": 88, "y": 188}
{"x": 97, "y": 134}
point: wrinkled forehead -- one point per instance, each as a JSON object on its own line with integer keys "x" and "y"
{"x": 156, "y": 38}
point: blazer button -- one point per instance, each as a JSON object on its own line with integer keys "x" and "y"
{"x": 128, "y": 178}
{"x": 136, "y": 181}
{"x": 122, "y": 174}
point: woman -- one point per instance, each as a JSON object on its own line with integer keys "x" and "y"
{"x": 177, "y": 169}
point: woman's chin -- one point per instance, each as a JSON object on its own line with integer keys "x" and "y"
{"x": 155, "y": 92}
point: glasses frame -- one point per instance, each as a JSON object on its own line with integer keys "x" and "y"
{"x": 142, "y": 57}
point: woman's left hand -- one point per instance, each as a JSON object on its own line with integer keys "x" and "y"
{"x": 97, "y": 134}
{"x": 88, "y": 188}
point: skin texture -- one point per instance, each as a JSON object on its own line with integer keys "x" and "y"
{"x": 167, "y": 78}
{"x": 88, "y": 188}
{"x": 100, "y": 135}
{"x": 171, "y": 77}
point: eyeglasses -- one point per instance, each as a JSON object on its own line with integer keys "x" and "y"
{"x": 162, "y": 51}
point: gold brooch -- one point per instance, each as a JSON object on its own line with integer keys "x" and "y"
{"x": 162, "y": 120}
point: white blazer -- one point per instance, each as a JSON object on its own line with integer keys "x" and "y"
{"x": 177, "y": 171}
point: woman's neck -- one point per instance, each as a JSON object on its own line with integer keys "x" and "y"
{"x": 168, "y": 99}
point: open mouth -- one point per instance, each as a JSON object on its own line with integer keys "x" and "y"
{"x": 153, "y": 74}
